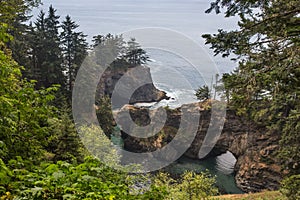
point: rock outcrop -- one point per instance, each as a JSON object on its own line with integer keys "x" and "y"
{"x": 137, "y": 75}
{"x": 256, "y": 169}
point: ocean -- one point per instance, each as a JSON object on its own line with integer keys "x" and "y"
{"x": 169, "y": 71}
{"x": 187, "y": 17}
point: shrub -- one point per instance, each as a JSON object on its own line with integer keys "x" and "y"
{"x": 290, "y": 187}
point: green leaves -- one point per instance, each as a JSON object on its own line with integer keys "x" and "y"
{"x": 5, "y": 174}
{"x": 24, "y": 112}
{"x": 4, "y": 36}
{"x": 190, "y": 186}
{"x": 290, "y": 187}
{"x": 67, "y": 181}
{"x": 265, "y": 87}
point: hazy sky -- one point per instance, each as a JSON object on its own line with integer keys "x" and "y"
{"x": 117, "y": 16}
{"x": 103, "y": 16}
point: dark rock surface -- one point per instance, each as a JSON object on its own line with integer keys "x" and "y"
{"x": 130, "y": 77}
{"x": 256, "y": 169}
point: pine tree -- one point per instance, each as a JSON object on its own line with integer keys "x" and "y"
{"x": 266, "y": 85}
{"x": 203, "y": 93}
{"x": 15, "y": 14}
{"x": 64, "y": 142}
{"x": 53, "y": 69}
{"x": 74, "y": 49}
{"x": 109, "y": 47}
{"x": 135, "y": 54}
{"x": 46, "y": 53}
{"x": 97, "y": 40}
{"x": 37, "y": 38}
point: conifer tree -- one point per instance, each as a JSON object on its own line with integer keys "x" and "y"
{"x": 46, "y": 53}
{"x": 64, "y": 141}
{"x": 135, "y": 55}
{"x": 266, "y": 85}
{"x": 52, "y": 66}
{"x": 15, "y": 14}
{"x": 37, "y": 38}
{"x": 74, "y": 49}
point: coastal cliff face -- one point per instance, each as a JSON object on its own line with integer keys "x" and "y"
{"x": 256, "y": 169}
{"x": 145, "y": 93}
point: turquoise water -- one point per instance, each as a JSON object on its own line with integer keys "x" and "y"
{"x": 186, "y": 16}
{"x": 221, "y": 166}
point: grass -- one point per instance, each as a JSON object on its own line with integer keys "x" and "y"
{"x": 268, "y": 195}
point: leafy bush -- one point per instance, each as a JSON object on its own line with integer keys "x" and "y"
{"x": 89, "y": 180}
{"x": 291, "y": 187}
{"x": 190, "y": 186}
{"x": 94, "y": 180}
{"x": 24, "y": 113}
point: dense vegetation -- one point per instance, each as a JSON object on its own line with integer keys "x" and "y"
{"x": 41, "y": 156}
{"x": 265, "y": 87}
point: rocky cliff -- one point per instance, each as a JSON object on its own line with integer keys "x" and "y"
{"x": 256, "y": 169}
{"x": 136, "y": 76}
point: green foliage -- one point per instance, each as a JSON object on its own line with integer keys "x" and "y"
{"x": 4, "y": 36}
{"x": 74, "y": 50}
{"x": 203, "y": 93}
{"x": 14, "y": 14}
{"x": 5, "y": 175}
{"x": 105, "y": 116}
{"x": 190, "y": 186}
{"x": 129, "y": 54}
{"x": 265, "y": 86}
{"x": 197, "y": 186}
{"x": 46, "y": 66}
{"x": 32, "y": 129}
{"x": 89, "y": 180}
{"x": 64, "y": 142}
{"x": 98, "y": 144}
{"x": 290, "y": 142}
{"x": 51, "y": 52}
{"x": 24, "y": 112}
{"x": 290, "y": 187}
{"x": 135, "y": 55}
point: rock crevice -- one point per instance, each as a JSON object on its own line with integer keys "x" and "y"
{"x": 256, "y": 169}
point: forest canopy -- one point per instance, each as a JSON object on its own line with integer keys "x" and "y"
{"x": 41, "y": 155}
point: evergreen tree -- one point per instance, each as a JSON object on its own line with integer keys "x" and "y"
{"x": 105, "y": 115}
{"x": 64, "y": 141}
{"x": 38, "y": 46}
{"x": 203, "y": 93}
{"x": 266, "y": 86}
{"x": 15, "y": 13}
{"x": 52, "y": 66}
{"x": 74, "y": 49}
{"x": 99, "y": 39}
{"x": 109, "y": 47}
{"x": 46, "y": 52}
{"x": 135, "y": 55}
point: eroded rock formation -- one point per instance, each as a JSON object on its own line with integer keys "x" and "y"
{"x": 126, "y": 78}
{"x": 256, "y": 169}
